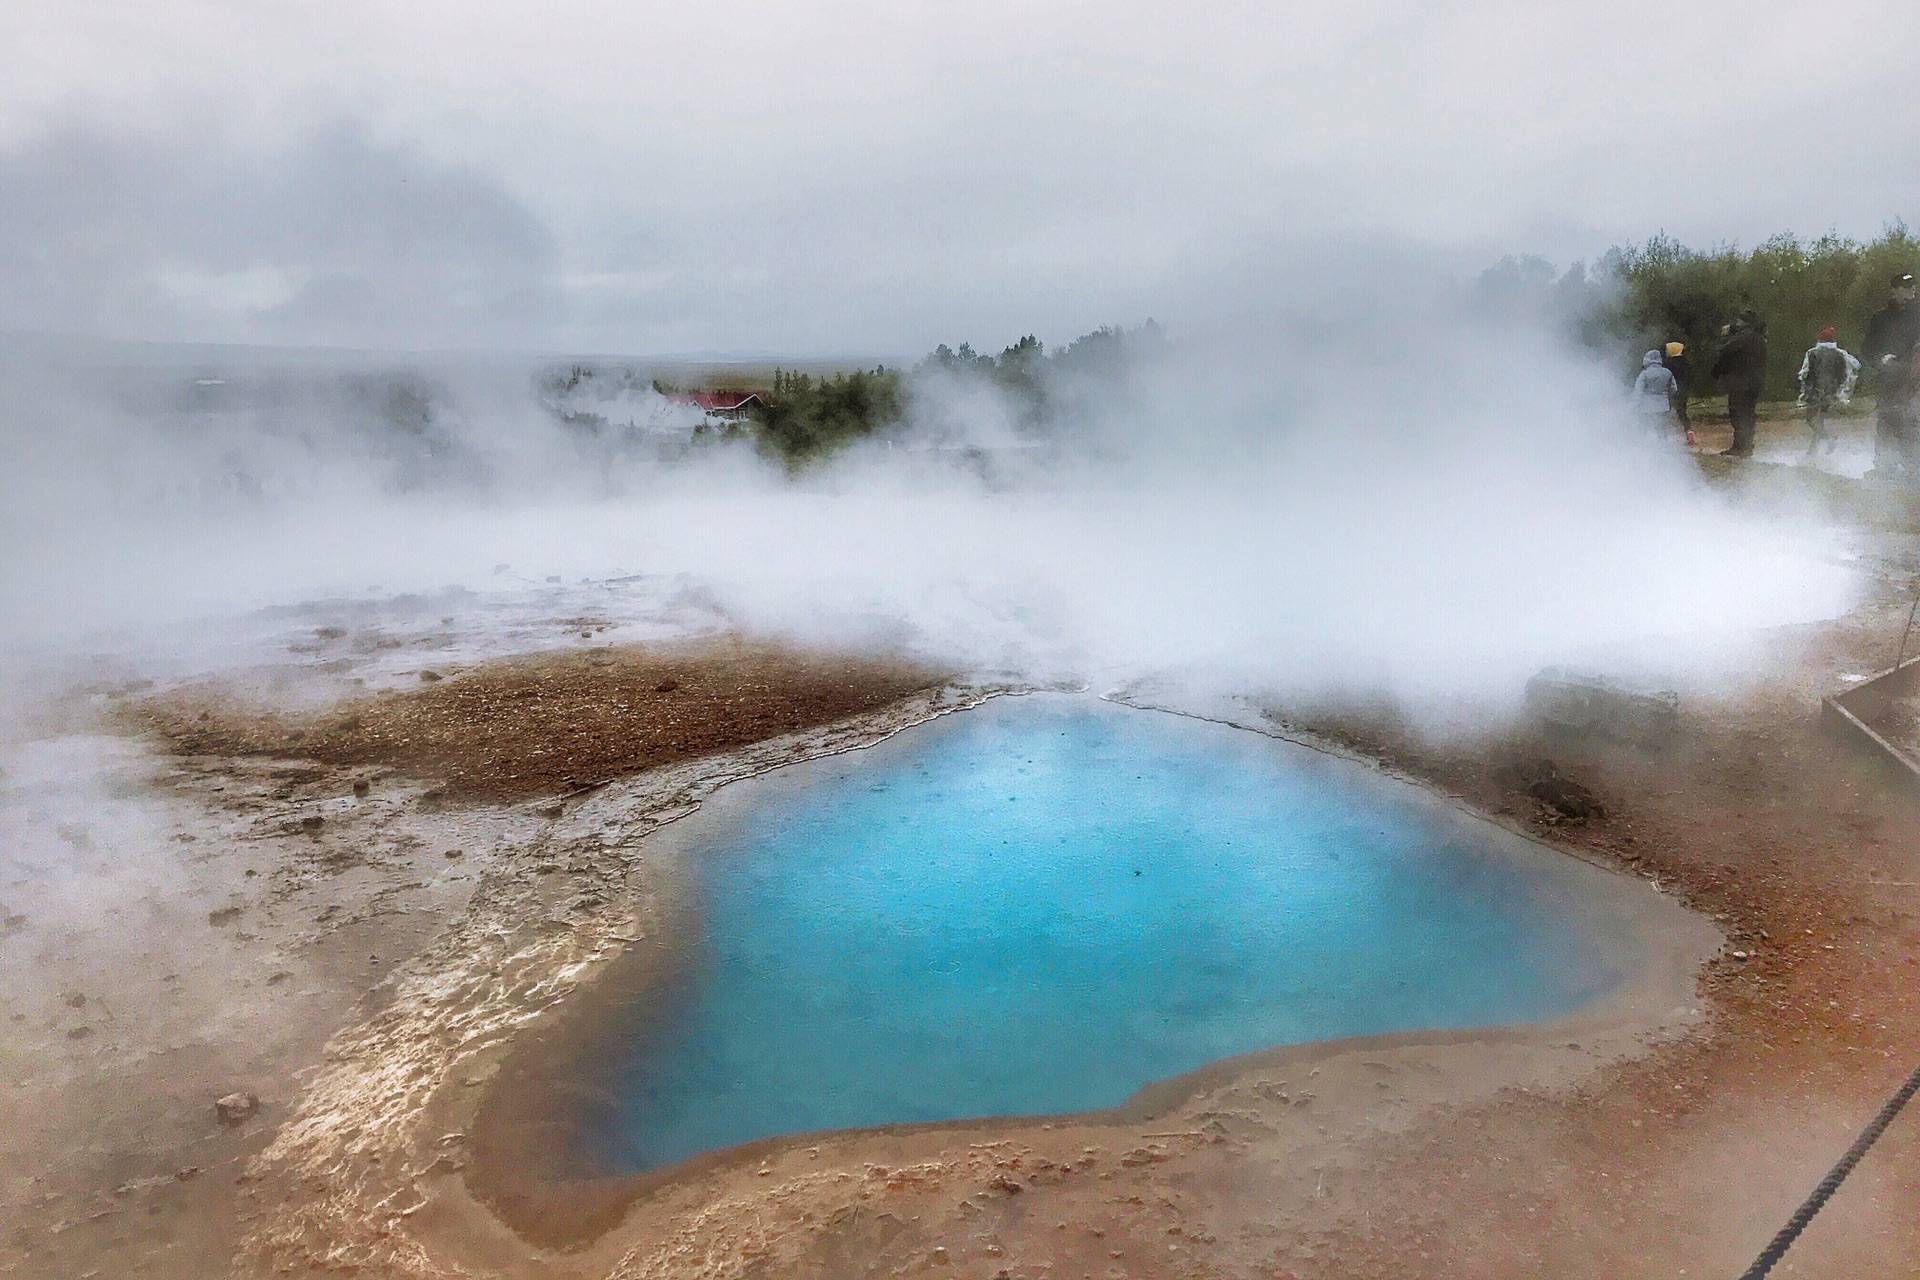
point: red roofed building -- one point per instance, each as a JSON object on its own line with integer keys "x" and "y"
{"x": 731, "y": 405}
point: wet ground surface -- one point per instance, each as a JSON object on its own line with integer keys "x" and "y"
{"x": 174, "y": 930}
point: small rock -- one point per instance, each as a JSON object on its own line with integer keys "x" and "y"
{"x": 236, "y": 1108}
{"x": 1563, "y": 799}
{"x": 666, "y": 686}
{"x": 186, "y": 1173}
{"x": 225, "y": 915}
{"x": 551, "y": 810}
{"x": 1739, "y": 955}
{"x": 1006, "y": 1184}
{"x": 79, "y": 1033}
{"x": 456, "y": 853}
{"x": 429, "y": 677}
{"x": 361, "y": 787}
{"x": 312, "y": 822}
{"x": 940, "y": 1256}
{"x": 75, "y": 1000}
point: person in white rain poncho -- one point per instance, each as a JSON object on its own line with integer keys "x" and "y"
{"x": 1827, "y": 375}
{"x": 1653, "y": 390}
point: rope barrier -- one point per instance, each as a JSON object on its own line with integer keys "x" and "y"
{"x": 1831, "y": 1183}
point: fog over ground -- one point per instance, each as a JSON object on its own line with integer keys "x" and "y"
{"x": 1341, "y": 475}
{"x": 1255, "y": 503}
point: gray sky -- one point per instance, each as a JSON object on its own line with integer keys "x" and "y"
{"x": 875, "y": 177}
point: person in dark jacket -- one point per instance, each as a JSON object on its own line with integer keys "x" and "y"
{"x": 1888, "y": 351}
{"x": 1681, "y": 368}
{"x": 1741, "y": 370}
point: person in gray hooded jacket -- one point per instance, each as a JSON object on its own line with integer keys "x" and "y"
{"x": 1653, "y": 390}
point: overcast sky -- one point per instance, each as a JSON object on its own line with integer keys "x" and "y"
{"x": 853, "y": 177}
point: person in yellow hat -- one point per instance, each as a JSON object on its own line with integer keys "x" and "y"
{"x": 1677, "y": 363}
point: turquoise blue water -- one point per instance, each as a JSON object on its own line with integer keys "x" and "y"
{"x": 1040, "y": 908}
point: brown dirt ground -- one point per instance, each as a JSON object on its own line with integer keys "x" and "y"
{"x": 549, "y": 725}
{"x": 1679, "y": 1163}
{"x": 1810, "y": 861}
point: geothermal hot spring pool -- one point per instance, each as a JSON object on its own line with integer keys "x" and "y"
{"x": 1042, "y": 905}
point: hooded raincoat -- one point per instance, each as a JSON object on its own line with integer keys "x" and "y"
{"x": 1827, "y": 375}
{"x": 1654, "y": 389}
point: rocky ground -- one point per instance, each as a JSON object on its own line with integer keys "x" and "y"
{"x": 356, "y": 911}
{"x": 196, "y": 895}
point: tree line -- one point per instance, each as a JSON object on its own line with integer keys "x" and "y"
{"x": 804, "y": 418}
{"x": 1637, "y": 297}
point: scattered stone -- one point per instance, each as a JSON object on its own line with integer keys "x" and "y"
{"x": 1564, "y": 799}
{"x": 225, "y": 915}
{"x": 236, "y": 1108}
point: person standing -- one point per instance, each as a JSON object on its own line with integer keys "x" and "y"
{"x": 1827, "y": 375}
{"x": 1892, "y": 334}
{"x": 1742, "y": 369}
{"x": 1653, "y": 391}
{"x": 1681, "y": 368}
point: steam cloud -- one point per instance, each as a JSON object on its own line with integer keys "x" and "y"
{"x": 1380, "y": 490}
